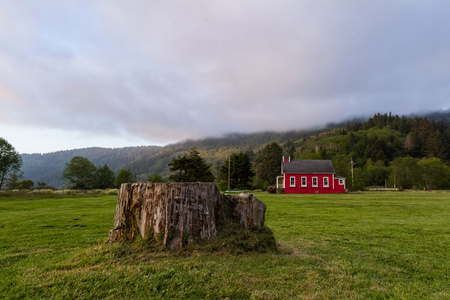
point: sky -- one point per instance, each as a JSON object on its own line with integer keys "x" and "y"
{"x": 77, "y": 74}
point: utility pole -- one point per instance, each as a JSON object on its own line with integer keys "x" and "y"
{"x": 352, "y": 164}
{"x": 229, "y": 170}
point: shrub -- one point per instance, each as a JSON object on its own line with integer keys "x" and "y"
{"x": 271, "y": 189}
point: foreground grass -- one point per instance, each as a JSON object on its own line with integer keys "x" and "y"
{"x": 359, "y": 245}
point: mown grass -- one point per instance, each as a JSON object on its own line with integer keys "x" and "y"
{"x": 361, "y": 245}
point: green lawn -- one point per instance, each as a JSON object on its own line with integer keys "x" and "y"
{"x": 359, "y": 245}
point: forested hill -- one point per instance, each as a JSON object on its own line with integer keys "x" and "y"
{"x": 48, "y": 167}
{"x": 375, "y": 141}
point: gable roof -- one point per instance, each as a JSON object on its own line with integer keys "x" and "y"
{"x": 309, "y": 166}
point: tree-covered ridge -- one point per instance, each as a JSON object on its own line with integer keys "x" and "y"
{"x": 48, "y": 167}
{"x": 381, "y": 146}
{"x": 379, "y": 139}
{"x": 373, "y": 144}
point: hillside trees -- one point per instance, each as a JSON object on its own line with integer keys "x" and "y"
{"x": 241, "y": 172}
{"x": 267, "y": 165}
{"x": 376, "y": 172}
{"x": 10, "y": 160}
{"x": 404, "y": 172}
{"x": 384, "y": 138}
{"x": 407, "y": 152}
{"x": 290, "y": 148}
{"x": 190, "y": 168}
{"x": 434, "y": 173}
{"x": 428, "y": 172}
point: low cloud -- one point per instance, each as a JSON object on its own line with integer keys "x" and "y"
{"x": 164, "y": 72}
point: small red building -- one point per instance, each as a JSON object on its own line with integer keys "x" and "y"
{"x": 309, "y": 176}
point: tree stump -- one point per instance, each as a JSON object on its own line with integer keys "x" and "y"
{"x": 174, "y": 214}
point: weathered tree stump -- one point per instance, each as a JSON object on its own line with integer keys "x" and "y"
{"x": 174, "y": 214}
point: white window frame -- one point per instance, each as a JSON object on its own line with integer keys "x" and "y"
{"x": 341, "y": 181}
{"x": 292, "y": 181}
{"x": 304, "y": 178}
{"x": 316, "y": 180}
{"x": 327, "y": 184}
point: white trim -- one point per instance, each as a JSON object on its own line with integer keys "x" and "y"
{"x": 317, "y": 182}
{"x": 328, "y": 182}
{"x": 292, "y": 181}
{"x": 306, "y": 181}
{"x": 278, "y": 180}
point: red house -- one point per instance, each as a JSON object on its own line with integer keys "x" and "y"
{"x": 309, "y": 176}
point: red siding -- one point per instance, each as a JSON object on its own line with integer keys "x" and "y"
{"x": 339, "y": 188}
{"x": 333, "y": 187}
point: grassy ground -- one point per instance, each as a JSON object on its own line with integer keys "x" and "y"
{"x": 359, "y": 245}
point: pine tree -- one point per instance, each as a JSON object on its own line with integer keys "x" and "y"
{"x": 104, "y": 177}
{"x": 190, "y": 168}
{"x": 240, "y": 169}
{"x": 268, "y": 165}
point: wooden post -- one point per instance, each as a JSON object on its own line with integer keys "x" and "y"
{"x": 229, "y": 168}
{"x": 352, "y": 164}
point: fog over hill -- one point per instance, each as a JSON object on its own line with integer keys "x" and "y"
{"x": 150, "y": 160}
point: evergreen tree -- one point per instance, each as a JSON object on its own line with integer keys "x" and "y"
{"x": 241, "y": 172}
{"x": 104, "y": 178}
{"x": 268, "y": 165}
{"x": 190, "y": 168}
{"x": 124, "y": 176}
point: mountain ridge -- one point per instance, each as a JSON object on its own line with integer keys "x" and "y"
{"x": 151, "y": 160}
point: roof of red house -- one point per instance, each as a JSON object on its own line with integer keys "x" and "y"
{"x": 309, "y": 166}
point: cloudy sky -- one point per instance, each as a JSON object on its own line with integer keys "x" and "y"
{"x": 76, "y": 74}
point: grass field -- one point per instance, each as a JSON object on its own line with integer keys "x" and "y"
{"x": 361, "y": 245}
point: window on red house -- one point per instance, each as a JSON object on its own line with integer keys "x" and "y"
{"x": 304, "y": 184}
{"x": 314, "y": 183}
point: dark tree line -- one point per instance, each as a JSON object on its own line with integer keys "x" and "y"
{"x": 376, "y": 145}
{"x": 423, "y": 137}
{"x": 80, "y": 173}
{"x": 238, "y": 169}
{"x": 383, "y": 156}
{"x": 389, "y": 150}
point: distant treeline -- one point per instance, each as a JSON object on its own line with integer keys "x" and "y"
{"x": 384, "y": 145}
{"x": 376, "y": 141}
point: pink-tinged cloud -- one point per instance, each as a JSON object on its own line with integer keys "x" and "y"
{"x": 163, "y": 72}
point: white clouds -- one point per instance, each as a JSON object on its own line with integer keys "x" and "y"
{"x": 162, "y": 72}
